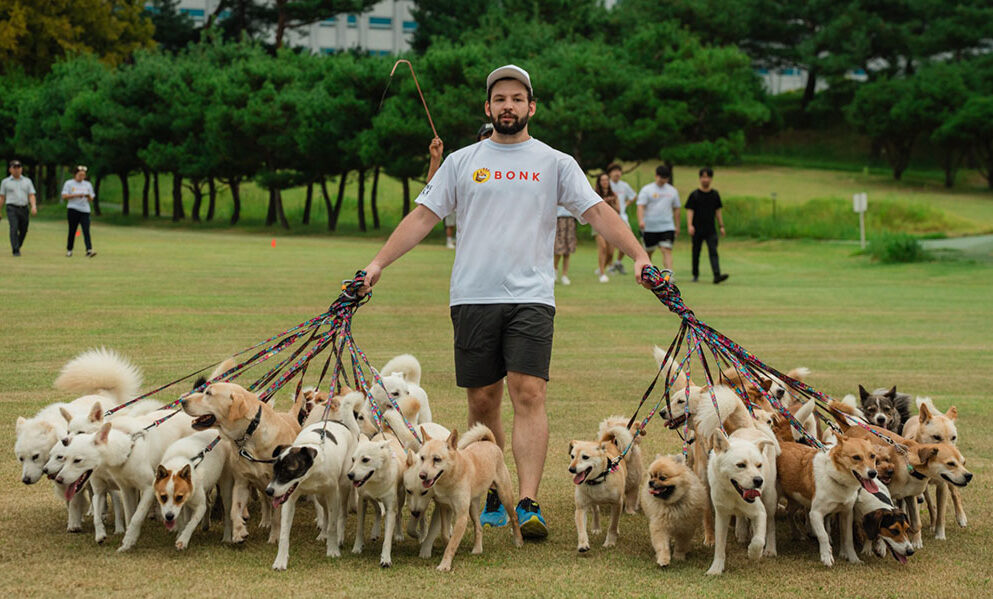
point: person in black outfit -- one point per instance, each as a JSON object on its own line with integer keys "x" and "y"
{"x": 702, "y": 208}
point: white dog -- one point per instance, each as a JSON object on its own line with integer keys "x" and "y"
{"x": 402, "y": 379}
{"x": 376, "y": 473}
{"x": 316, "y": 464}
{"x": 190, "y": 468}
{"x": 735, "y": 472}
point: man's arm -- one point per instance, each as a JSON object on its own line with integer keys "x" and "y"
{"x": 34, "y": 206}
{"x": 641, "y": 217}
{"x": 689, "y": 222}
{"x": 411, "y": 230}
{"x": 675, "y": 219}
{"x": 608, "y": 223}
{"x": 720, "y": 221}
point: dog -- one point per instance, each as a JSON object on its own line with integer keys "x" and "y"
{"x": 256, "y": 430}
{"x": 186, "y": 474}
{"x": 672, "y": 498}
{"x": 128, "y": 450}
{"x": 596, "y": 483}
{"x": 827, "y": 483}
{"x": 763, "y": 438}
{"x": 931, "y": 426}
{"x": 634, "y": 462}
{"x": 885, "y": 408}
{"x": 461, "y": 478}
{"x": 734, "y": 471}
{"x": 376, "y": 472}
{"x": 880, "y": 526}
{"x": 94, "y": 375}
{"x": 315, "y": 464}
{"x": 401, "y": 378}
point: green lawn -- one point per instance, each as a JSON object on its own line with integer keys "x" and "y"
{"x": 176, "y": 300}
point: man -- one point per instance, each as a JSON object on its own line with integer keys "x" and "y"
{"x": 625, "y": 195}
{"x": 658, "y": 215}
{"x": 78, "y": 194}
{"x": 505, "y": 191}
{"x": 702, "y": 207}
{"x": 17, "y": 192}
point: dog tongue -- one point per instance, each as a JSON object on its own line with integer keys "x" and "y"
{"x": 901, "y": 558}
{"x": 751, "y": 493}
{"x": 70, "y": 491}
{"x": 869, "y": 485}
{"x": 579, "y": 478}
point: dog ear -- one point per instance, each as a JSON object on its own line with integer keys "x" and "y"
{"x": 101, "y": 437}
{"x": 679, "y": 459}
{"x": 926, "y": 454}
{"x": 411, "y": 460}
{"x": 21, "y": 421}
{"x": 161, "y": 473}
{"x": 870, "y": 523}
{"x": 453, "y": 439}
{"x": 924, "y": 413}
{"x": 186, "y": 474}
{"x": 719, "y": 442}
{"x": 96, "y": 413}
{"x": 66, "y": 415}
{"x": 239, "y": 404}
{"x": 891, "y": 393}
{"x": 952, "y": 413}
{"x": 767, "y": 384}
{"x": 571, "y": 444}
{"x": 863, "y": 394}
{"x": 65, "y": 441}
{"x": 763, "y": 443}
{"x": 278, "y": 450}
{"x": 311, "y": 451}
{"x": 424, "y": 435}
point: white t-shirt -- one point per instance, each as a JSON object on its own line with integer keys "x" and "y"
{"x": 625, "y": 195}
{"x": 659, "y": 202}
{"x": 505, "y": 198}
{"x": 72, "y": 187}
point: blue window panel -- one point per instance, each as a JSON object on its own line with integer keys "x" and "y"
{"x": 859, "y": 72}
{"x": 328, "y": 22}
{"x": 193, "y": 12}
{"x": 409, "y": 25}
{"x": 353, "y": 21}
{"x": 763, "y": 71}
{"x": 380, "y": 23}
{"x": 328, "y": 50}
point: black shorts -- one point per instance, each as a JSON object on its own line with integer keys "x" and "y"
{"x": 491, "y": 339}
{"x": 661, "y": 239}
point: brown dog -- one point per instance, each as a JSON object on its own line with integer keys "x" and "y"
{"x": 253, "y": 427}
{"x": 672, "y": 498}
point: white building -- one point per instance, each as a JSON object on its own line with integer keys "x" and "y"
{"x": 386, "y": 29}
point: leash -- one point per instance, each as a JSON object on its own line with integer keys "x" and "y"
{"x": 198, "y": 458}
{"x": 419, "y": 92}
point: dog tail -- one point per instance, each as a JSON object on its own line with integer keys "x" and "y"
{"x": 619, "y": 435}
{"x": 707, "y": 421}
{"x": 392, "y": 418}
{"x": 100, "y": 371}
{"x": 799, "y": 373}
{"x": 302, "y": 405}
{"x": 405, "y": 364}
{"x": 612, "y": 421}
{"x": 926, "y": 401}
{"x": 478, "y": 432}
{"x": 223, "y": 367}
{"x": 680, "y": 380}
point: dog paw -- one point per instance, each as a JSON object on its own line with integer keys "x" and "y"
{"x": 767, "y": 552}
{"x": 663, "y": 563}
{"x": 584, "y": 548}
{"x": 124, "y": 548}
{"x": 444, "y": 567}
{"x": 74, "y": 529}
{"x": 918, "y": 543}
{"x": 357, "y": 549}
{"x": 424, "y": 554}
{"x": 708, "y": 541}
{"x": 279, "y": 565}
{"x": 609, "y": 542}
{"x": 333, "y": 552}
{"x": 962, "y": 522}
{"x": 180, "y": 545}
{"x": 715, "y": 570}
{"x": 755, "y": 549}
{"x": 827, "y": 560}
{"x": 595, "y": 531}
{"x": 940, "y": 535}
{"x": 101, "y": 539}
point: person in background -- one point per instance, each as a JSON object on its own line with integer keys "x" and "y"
{"x": 17, "y": 191}
{"x": 702, "y": 207}
{"x": 604, "y": 251}
{"x": 78, "y": 193}
{"x": 658, "y": 215}
{"x": 625, "y": 195}
{"x": 565, "y": 242}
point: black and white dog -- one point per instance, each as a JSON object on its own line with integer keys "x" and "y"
{"x": 885, "y": 408}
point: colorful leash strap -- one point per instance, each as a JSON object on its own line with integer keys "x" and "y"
{"x": 198, "y": 458}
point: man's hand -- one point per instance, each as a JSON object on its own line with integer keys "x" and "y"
{"x": 34, "y": 210}
{"x": 372, "y": 273}
{"x": 723, "y": 233}
{"x": 639, "y": 268}
{"x": 691, "y": 230}
{"x": 436, "y": 149}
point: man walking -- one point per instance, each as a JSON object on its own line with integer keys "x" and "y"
{"x": 625, "y": 195}
{"x": 658, "y": 215}
{"x": 17, "y": 192}
{"x": 506, "y": 191}
{"x": 702, "y": 207}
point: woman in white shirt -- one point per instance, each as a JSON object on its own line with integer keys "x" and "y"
{"x": 78, "y": 193}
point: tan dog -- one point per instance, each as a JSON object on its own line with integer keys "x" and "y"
{"x": 931, "y": 426}
{"x": 252, "y": 426}
{"x": 828, "y": 483}
{"x": 596, "y": 484}
{"x": 461, "y": 478}
{"x": 672, "y": 498}
{"x": 634, "y": 462}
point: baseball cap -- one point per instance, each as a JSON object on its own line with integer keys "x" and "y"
{"x": 15, "y": 163}
{"x": 484, "y": 129}
{"x": 509, "y": 71}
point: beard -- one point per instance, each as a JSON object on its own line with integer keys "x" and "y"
{"x": 515, "y": 127}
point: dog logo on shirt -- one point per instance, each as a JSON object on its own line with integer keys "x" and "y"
{"x": 482, "y": 175}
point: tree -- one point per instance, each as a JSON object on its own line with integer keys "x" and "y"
{"x": 972, "y": 123}
{"x": 444, "y": 19}
{"x": 174, "y": 30}
{"x": 34, "y": 35}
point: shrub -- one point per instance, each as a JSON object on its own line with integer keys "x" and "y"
{"x": 893, "y": 248}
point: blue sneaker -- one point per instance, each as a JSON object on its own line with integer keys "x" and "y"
{"x": 532, "y": 522}
{"x": 493, "y": 516}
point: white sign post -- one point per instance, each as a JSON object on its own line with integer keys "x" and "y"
{"x": 860, "y": 202}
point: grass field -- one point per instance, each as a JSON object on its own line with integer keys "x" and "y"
{"x": 176, "y": 300}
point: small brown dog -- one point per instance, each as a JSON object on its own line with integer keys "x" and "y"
{"x": 673, "y": 499}
{"x": 596, "y": 484}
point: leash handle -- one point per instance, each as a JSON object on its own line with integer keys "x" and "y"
{"x": 419, "y": 92}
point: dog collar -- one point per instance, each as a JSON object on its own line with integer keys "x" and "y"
{"x": 915, "y": 473}
{"x": 254, "y": 424}
{"x": 600, "y": 478}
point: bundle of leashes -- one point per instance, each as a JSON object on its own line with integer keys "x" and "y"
{"x": 697, "y": 335}
{"x": 308, "y": 339}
